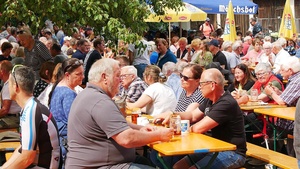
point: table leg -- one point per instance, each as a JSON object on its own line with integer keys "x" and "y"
{"x": 274, "y": 131}
{"x": 208, "y": 166}
{"x": 161, "y": 160}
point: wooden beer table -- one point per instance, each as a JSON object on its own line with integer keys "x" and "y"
{"x": 191, "y": 143}
{"x": 250, "y": 106}
{"x": 287, "y": 113}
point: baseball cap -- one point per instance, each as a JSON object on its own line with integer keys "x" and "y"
{"x": 217, "y": 66}
{"x": 47, "y": 30}
{"x": 214, "y": 42}
{"x": 207, "y": 19}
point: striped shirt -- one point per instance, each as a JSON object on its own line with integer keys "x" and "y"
{"x": 184, "y": 101}
{"x": 290, "y": 96}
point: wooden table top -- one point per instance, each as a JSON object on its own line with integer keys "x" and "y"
{"x": 9, "y": 146}
{"x": 284, "y": 113}
{"x": 4, "y": 130}
{"x": 250, "y": 106}
{"x": 191, "y": 143}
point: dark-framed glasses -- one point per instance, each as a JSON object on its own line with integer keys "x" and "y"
{"x": 13, "y": 72}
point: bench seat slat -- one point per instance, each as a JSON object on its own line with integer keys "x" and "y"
{"x": 270, "y": 156}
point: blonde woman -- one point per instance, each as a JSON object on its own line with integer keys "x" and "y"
{"x": 158, "y": 97}
{"x": 205, "y": 57}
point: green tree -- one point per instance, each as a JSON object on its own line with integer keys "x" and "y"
{"x": 118, "y": 19}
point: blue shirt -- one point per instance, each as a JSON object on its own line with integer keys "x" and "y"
{"x": 175, "y": 84}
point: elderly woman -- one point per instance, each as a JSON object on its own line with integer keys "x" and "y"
{"x": 63, "y": 94}
{"x": 205, "y": 56}
{"x": 265, "y": 77}
{"x": 252, "y": 56}
{"x": 243, "y": 79}
{"x": 268, "y": 56}
{"x": 158, "y": 97}
{"x": 164, "y": 54}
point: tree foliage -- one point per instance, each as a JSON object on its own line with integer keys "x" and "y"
{"x": 117, "y": 19}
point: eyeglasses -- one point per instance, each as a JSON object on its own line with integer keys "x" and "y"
{"x": 124, "y": 76}
{"x": 185, "y": 78}
{"x": 13, "y": 73}
{"x": 260, "y": 74}
{"x": 206, "y": 82}
{"x": 76, "y": 63}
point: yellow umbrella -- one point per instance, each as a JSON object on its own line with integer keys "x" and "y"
{"x": 229, "y": 30}
{"x": 186, "y": 13}
{"x": 287, "y": 26}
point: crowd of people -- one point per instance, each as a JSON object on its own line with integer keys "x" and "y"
{"x": 64, "y": 89}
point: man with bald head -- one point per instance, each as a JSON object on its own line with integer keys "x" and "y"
{"x": 221, "y": 114}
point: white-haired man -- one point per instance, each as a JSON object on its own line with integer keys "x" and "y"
{"x": 98, "y": 131}
{"x": 289, "y": 70}
{"x": 281, "y": 55}
{"x": 133, "y": 86}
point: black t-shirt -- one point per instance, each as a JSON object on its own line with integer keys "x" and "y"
{"x": 221, "y": 58}
{"x": 227, "y": 113}
{"x": 9, "y": 58}
{"x": 247, "y": 86}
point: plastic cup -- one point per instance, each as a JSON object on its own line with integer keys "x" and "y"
{"x": 254, "y": 95}
{"x": 185, "y": 125}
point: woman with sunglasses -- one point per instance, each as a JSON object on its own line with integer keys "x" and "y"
{"x": 158, "y": 97}
{"x": 63, "y": 94}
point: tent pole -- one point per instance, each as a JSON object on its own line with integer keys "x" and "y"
{"x": 169, "y": 33}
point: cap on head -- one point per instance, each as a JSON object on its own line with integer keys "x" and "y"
{"x": 67, "y": 38}
{"x": 207, "y": 19}
{"x": 47, "y": 30}
{"x": 214, "y": 42}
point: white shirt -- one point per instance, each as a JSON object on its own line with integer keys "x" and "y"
{"x": 163, "y": 99}
{"x": 281, "y": 55}
{"x": 141, "y": 56}
{"x": 14, "y": 107}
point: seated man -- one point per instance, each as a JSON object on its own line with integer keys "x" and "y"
{"x": 98, "y": 131}
{"x": 9, "y": 108}
{"x": 221, "y": 114}
{"x": 133, "y": 86}
{"x": 39, "y": 135}
{"x": 289, "y": 70}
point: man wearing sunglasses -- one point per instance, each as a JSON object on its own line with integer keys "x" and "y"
{"x": 38, "y": 130}
{"x": 36, "y": 53}
{"x": 219, "y": 113}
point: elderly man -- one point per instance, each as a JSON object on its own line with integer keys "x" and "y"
{"x": 9, "y": 108}
{"x": 289, "y": 70}
{"x": 133, "y": 86}
{"x": 219, "y": 111}
{"x": 97, "y": 129}
{"x": 36, "y": 53}
{"x": 247, "y": 43}
{"x": 281, "y": 55}
{"x": 39, "y": 134}
{"x": 184, "y": 53}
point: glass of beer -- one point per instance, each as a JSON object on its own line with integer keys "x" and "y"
{"x": 134, "y": 113}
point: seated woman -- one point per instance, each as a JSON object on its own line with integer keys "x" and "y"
{"x": 264, "y": 75}
{"x": 268, "y": 56}
{"x": 158, "y": 97}
{"x": 46, "y": 72}
{"x": 252, "y": 56}
{"x": 63, "y": 94}
{"x": 243, "y": 79}
{"x": 205, "y": 57}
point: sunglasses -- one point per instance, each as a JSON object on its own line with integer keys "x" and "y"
{"x": 13, "y": 72}
{"x": 76, "y": 63}
{"x": 185, "y": 78}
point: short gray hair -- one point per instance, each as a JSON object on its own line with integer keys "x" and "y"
{"x": 226, "y": 45}
{"x": 130, "y": 70}
{"x": 169, "y": 66}
{"x": 277, "y": 45}
{"x": 180, "y": 65}
{"x": 281, "y": 41}
{"x": 105, "y": 65}
{"x": 267, "y": 45}
{"x": 236, "y": 45}
{"x": 24, "y": 77}
{"x": 267, "y": 39}
{"x": 247, "y": 38}
{"x": 291, "y": 63}
{"x": 263, "y": 66}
